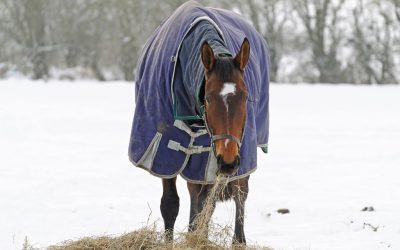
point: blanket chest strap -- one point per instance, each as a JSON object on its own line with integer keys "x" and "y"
{"x": 189, "y": 151}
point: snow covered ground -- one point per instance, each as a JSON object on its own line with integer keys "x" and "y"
{"x": 64, "y": 170}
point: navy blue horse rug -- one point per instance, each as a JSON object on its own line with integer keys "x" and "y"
{"x": 168, "y": 135}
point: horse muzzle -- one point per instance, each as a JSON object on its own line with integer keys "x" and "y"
{"x": 227, "y": 169}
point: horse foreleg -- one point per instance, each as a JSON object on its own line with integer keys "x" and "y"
{"x": 169, "y": 206}
{"x": 198, "y": 195}
{"x": 194, "y": 191}
{"x": 240, "y": 191}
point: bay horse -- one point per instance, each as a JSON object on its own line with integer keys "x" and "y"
{"x": 201, "y": 109}
{"x": 225, "y": 98}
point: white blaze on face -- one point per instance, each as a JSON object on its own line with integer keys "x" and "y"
{"x": 226, "y": 143}
{"x": 227, "y": 89}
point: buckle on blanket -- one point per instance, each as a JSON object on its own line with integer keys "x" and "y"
{"x": 189, "y": 151}
{"x": 182, "y": 126}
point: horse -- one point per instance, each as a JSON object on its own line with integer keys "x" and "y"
{"x": 225, "y": 115}
{"x": 201, "y": 110}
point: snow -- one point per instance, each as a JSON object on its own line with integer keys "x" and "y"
{"x": 333, "y": 151}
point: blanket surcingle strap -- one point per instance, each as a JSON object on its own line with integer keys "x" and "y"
{"x": 168, "y": 136}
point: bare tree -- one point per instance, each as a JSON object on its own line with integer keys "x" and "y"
{"x": 386, "y": 74}
{"x": 361, "y": 70}
{"x": 373, "y": 43}
{"x": 93, "y": 31}
{"x": 81, "y": 31}
{"x": 66, "y": 29}
{"x": 320, "y": 18}
{"x": 24, "y": 21}
{"x": 269, "y": 18}
{"x": 135, "y": 21}
{"x": 103, "y": 38}
{"x": 397, "y": 8}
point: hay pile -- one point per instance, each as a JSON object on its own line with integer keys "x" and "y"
{"x": 145, "y": 238}
{"x": 149, "y": 238}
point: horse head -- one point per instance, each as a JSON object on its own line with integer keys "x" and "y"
{"x": 225, "y": 102}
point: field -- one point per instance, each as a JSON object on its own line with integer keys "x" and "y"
{"x": 65, "y": 174}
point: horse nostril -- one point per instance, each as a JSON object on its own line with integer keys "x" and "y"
{"x": 235, "y": 163}
{"x": 219, "y": 160}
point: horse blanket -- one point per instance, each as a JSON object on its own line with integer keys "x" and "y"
{"x": 168, "y": 135}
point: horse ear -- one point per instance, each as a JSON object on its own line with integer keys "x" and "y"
{"x": 207, "y": 56}
{"x": 243, "y": 55}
